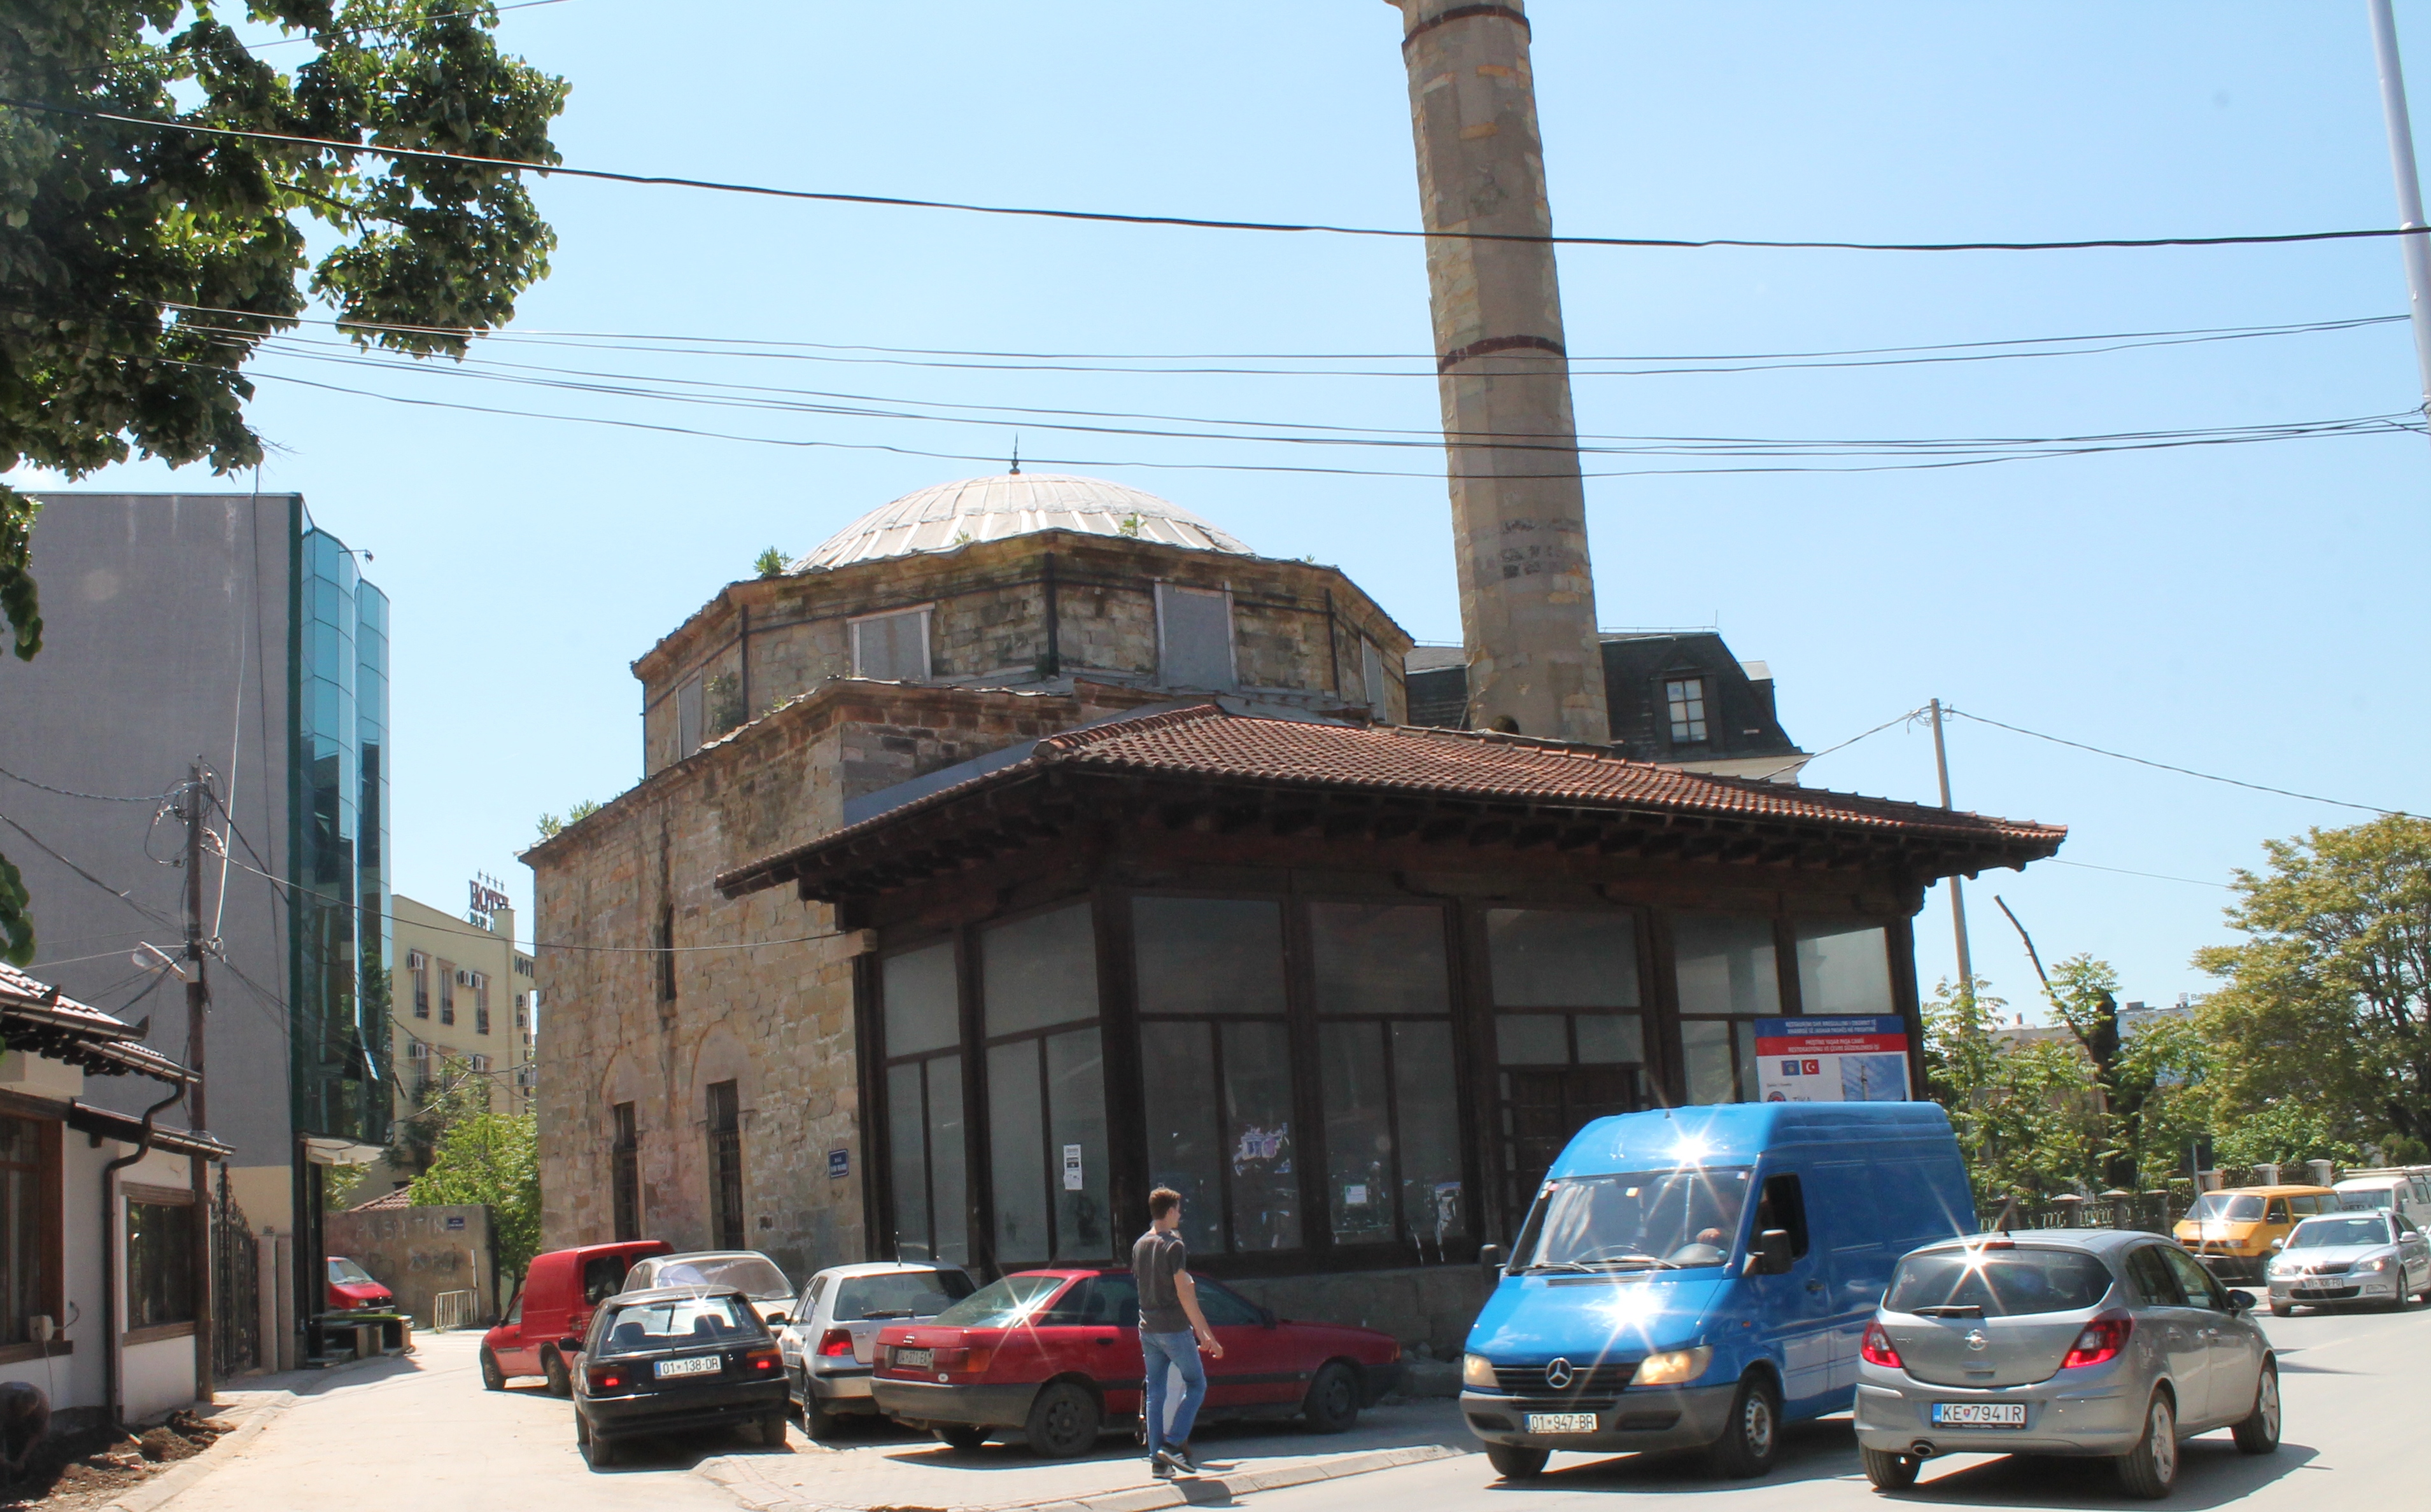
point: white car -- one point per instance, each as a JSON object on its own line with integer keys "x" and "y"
{"x": 2374, "y": 1257}
{"x": 832, "y": 1342}
{"x": 748, "y": 1272}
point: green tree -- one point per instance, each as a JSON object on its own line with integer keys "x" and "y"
{"x": 2285, "y": 1133}
{"x": 2026, "y": 1116}
{"x": 141, "y": 266}
{"x": 453, "y": 1094}
{"x": 2151, "y": 1087}
{"x": 769, "y": 563}
{"x": 2327, "y": 1002}
{"x": 492, "y": 1159}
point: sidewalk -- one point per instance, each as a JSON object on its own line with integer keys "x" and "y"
{"x": 904, "y": 1474}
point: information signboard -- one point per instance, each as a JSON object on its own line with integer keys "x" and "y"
{"x": 1862, "y": 1059}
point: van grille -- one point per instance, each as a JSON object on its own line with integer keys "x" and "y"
{"x": 1529, "y": 1380}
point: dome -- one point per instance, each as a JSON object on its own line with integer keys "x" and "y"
{"x": 1015, "y": 504}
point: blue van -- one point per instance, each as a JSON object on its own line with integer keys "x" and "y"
{"x": 1698, "y": 1276}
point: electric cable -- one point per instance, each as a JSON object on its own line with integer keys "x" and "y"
{"x": 1808, "y": 761}
{"x": 1192, "y": 221}
{"x": 2157, "y": 876}
{"x": 160, "y": 919}
{"x": 2184, "y": 772}
{"x": 96, "y": 797}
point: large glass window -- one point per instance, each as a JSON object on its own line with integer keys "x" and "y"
{"x": 1379, "y": 957}
{"x": 1047, "y": 1088}
{"x": 625, "y": 1172}
{"x": 1209, "y": 955}
{"x": 159, "y": 1263}
{"x": 1392, "y": 1133}
{"x": 22, "y": 1228}
{"x": 725, "y": 1110}
{"x": 1728, "y": 973}
{"x": 1557, "y": 958}
{"x": 926, "y": 1158}
{"x": 1569, "y": 1038}
{"x": 1844, "y": 968}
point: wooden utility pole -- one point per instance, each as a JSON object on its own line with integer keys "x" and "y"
{"x": 199, "y": 998}
{"x": 1957, "y": 900}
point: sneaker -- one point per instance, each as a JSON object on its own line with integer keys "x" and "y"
{"x": 1171, "y": 1461}
{"x": 1189, "y": 1459}
{"x": 1158, "y": 1467}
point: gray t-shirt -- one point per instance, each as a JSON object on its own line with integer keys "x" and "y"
{"x": 1157, "y": 1258}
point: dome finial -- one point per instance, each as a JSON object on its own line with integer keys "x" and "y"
{"x": 1017, "y": 454}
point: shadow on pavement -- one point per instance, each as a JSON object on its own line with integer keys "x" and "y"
{"x": 1815, "y": 1451}
{"x": 1220, "y": 1445}
{"x": 2211, "y": 1473}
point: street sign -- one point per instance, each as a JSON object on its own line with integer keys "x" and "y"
{"x": 839, "y": 1164}
{"x": 1851, "y": 1059}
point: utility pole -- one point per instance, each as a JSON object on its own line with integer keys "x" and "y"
{"x": 2409, "y": 186}
{"x": 1958, "y": 902}
{"x": 199, "y": 998}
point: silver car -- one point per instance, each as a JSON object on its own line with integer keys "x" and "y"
{"x": 748, "y": 1272}
{"x": 830, "y": 1339}
{"x": 2376, "y": 1258}
{"x": 2087, "y": 1342}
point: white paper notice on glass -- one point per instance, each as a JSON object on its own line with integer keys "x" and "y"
{"x": 1071, "y": 1168}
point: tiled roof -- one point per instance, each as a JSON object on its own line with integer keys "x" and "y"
{"x": 385, "y": 1202}
{"x": 37, "y": 1018}
{"x": 1204, "y": 745}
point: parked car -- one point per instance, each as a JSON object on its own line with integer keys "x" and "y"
{"x": 554, "y": 1303}
{"x": 830, "y": 1339}
{"x": 2375, "y": 1256}
{"x": 748, "y": 1270}
{"x": 1693, "y": 1278}
{"x": 2086, "y": 1343}
{"x": 1055, "y": 1354}
{"x": 352, "y": 1288}
{"x": 2231, "y": 1230}
{"x": 674, "y": 1359}
{"x": 2406, "y": 1189}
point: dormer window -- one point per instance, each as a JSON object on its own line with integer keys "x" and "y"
{"x": 1685, "y": 699}
{"x": 892, "y": 647}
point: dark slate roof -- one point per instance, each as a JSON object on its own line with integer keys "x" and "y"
{"x": 1402, "y": 779}
{"x": 37, "y": 1017}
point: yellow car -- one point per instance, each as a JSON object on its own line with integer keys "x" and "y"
{"x": 2232, "y": 1231}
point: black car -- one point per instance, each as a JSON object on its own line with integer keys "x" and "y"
{"x": 675, "y": 1359}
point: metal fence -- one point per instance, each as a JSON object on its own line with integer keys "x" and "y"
{"x": 2152, "y": 1212}
{"x": 236, "y": 1288}
{"x": 455, "y": 1309}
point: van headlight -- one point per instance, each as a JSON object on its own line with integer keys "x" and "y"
{"x": 1674, "y": 1366}
{"x": 1477, "y": 1370}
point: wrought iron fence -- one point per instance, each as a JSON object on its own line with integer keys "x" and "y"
{"x": 2151, "y": 1212}
{"x": 236, "y": 1288}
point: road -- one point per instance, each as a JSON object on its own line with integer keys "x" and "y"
{"x": 2355, "y": 1388}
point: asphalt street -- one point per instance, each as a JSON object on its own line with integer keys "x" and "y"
{"x": 2356, "y": 1387}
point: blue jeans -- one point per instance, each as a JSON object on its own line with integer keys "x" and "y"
{"x": 1165, "y": 1352}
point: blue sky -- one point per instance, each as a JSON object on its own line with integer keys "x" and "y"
{"x": 2245, "y": 610}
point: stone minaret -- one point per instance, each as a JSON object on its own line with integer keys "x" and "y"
{"x": 1527, "y": 601}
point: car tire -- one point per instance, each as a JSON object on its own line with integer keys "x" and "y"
{"x": 817, "y": 1420}
{"x": 772, "y": 1429}
{"x": 1513, "y": 1463}
{"x": 2149, "y": 1470}
{"x": 1753, "y": 1435}
{"x": 599, "y": 1452}
{"x": 493, "y": 1378}
{"x": 2259, "y": 1432}
{"x": 1890, "y": 1470}
{"x": 1332, "y": 1406}
{"x": 2282, "y": 1309}
{"x": 962, "y": 1435}
{"x": 1063, "y": 1420}
{"x": 552, "y": 1370}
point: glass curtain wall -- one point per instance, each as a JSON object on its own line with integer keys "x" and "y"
{"x": 925, "y": 1158}
{"x": 1729, "y": 976}
{"x": 1047, "y": 1088}
{"x": 1569, "y": 1030}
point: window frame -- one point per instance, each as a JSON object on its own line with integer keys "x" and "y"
{"x": 1698, "y": 685}
{"x": 722, "y": 1117}
{"x": 852, "y": 628}
{"x": 886, "y": 1062}
{"x": 980, "y": 1047}
{"x": 46, "y": 1244}
{"x": 624, "y": 1170}
{"x": 176, "y": 1251}
{"x": 1166, "y": 588}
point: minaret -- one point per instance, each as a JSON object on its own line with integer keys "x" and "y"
{"x": 1527, "y": 600}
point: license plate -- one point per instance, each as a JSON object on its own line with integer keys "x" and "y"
{"x": 1561, "y": 1423}
{"x": 698, "y": 1365}
{"x": 916, "y": 1358}
{"x": 1980, "y": 1414}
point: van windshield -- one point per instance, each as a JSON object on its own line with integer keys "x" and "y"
{"x": 2367, "y": 1199}
{"x": 2233, "y": 1206}
{"x": 1636, "y": 1220}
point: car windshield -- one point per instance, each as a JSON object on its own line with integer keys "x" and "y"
{"x": 679, "y": 1323}
{"x": 2322, "y": 1231}
{"x": 901, "y": 1295}
{"x": 1997, "y": 1282}
{"x": 1001, "y": 1304}
{"x": 750, "y": 1274}
{"x": 1663, "y": 1219}
{"x": 2366, "y": 1198}
{"x": 2234, "y": 1206}
{"x": 343, "y": 1271}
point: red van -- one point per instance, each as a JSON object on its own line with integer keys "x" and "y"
{"x": 559, "y": 1294}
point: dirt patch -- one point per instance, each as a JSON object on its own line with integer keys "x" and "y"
{"x": 77, "y": 1469}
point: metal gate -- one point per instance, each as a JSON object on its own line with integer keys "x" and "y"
{"x": 236, "y": 1288}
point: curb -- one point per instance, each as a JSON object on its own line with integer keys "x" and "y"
{"x": 257, "y": 1419}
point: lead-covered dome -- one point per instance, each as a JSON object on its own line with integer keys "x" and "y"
{"x": 1015, "y": 504}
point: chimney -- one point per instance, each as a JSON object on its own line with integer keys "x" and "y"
{"x": 1527, "y": 600}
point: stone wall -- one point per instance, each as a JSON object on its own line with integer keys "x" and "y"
{"x": 1431, "y": 1305}
{"x": 417, "y": 1253}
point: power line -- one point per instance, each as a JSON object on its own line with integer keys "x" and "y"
{"x": 1192, "y": 221}
{"x": 160, "y": 919}
{"x": 2157, "y": 876}
{"x": 2184, "y": 772}
{"x": 96, "y": 797}
{"x": 1804, "y": 760}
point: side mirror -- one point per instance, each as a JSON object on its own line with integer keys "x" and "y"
{"x": 569, "y": 1345}
{"x": 2277, "y": 1245}
{"x": 2239, "y": 1301}
{"x": 1490, "y": 1259}
{"x": 1770, "y": 1257}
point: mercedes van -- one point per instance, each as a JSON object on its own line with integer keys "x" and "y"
{"x": 1699, "y": 1276}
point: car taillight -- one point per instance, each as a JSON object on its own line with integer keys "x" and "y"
{"x": 836, "y": 1343}
{"x": 1877, "y": 1350}
{"x": 765, "y": 1360}
{"x": 2098, "y": 1342}
{"x": 975, "y": 1362}
{"x": 608, "y": 1377}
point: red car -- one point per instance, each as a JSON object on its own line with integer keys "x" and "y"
{"x": 352, "y": 1288}
{"x": 561, "y": 1291}
{"x": 1055, "y": 1354}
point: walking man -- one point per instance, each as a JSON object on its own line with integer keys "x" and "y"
{"x": 1172, "y": 1331}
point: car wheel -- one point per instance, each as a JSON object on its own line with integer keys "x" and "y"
{"x": 2259, "y": 1432}
{"x": 1332, "y": 1406}
{"x": 493, "y": 1379}
{"x": 552, "y": 1369}
{"x": 2281, "y": 1309}
{"x": 963, "y": 1435}
{"x": 2150, "y": 1469}
{"x": 1514, "y": 1463}
{"x": 1063, "y": 1420}
{"x": 597, "y": 1451}
{"x": 817, "y": 1420}
{"x": 1752, "y": 1434}
{"x": 772, "y": 1429}
{"x": 1888, "y": 1470}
